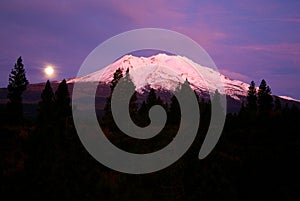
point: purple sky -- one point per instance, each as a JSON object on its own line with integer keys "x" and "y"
{"x": 248, "y": 40}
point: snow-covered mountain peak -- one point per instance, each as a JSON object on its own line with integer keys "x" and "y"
{"x": 167, "y": 71}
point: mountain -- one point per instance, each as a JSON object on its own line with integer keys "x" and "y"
{"x": 166, "y": 71}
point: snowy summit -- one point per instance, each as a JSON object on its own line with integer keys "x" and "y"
{"x": 167, "y": 71}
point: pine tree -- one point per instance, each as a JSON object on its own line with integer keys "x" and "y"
{"x": 133, "y": 106}
{"x": 62, "y": 101}
{"x": 252, "y": 98}
{"x": 264, "y": 98}
{"x": 17, "y": 84}
{"x": 107, "y": 119}
{"x": 46, "y": 105}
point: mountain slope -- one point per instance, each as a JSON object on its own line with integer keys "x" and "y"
{"x": 167, "y": 71}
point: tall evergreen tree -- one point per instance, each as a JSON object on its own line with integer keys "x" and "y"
{"x": 133, "y": 107}
{"x": 46, "y": 105}
{"x": 252, "y": 98}
{"x": 17, "y": 84}
{"x": 264, "y": 98}
{"x": 107, "y": 119}
{"x": 62, "y": 101}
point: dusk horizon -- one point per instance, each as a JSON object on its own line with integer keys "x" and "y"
{"x": 248, "y": 41}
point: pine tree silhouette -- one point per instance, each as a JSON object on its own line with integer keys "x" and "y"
{"x": 264, "y": 99}
{"x": 17, "y": 84}
{"x": 107, "y": 119}
{"x": 62, "y": 103}
{"x": 46, "y": 105}
{"x": 252, "y": 98}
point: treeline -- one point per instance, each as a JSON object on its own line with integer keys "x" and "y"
{"x": 261, "y": 102}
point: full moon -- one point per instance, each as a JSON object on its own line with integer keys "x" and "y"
{"x": 49, "y": 70}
